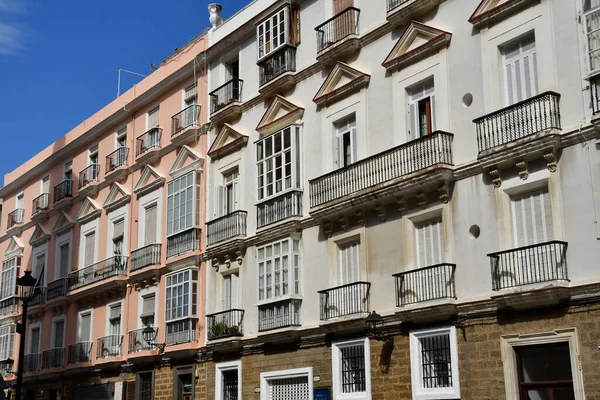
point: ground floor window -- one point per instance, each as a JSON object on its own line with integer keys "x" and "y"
{"x": 296, "y": 384}
{"x": 228, "y": 379}
{"x": 351, "y": 369}
{"x": 545, "y": 372}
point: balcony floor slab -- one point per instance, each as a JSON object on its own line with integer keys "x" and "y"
{"x": 533, "y": 296}
{"x": 428, "y": 311}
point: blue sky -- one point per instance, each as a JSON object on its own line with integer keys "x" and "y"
{"x": 59, "y": 60}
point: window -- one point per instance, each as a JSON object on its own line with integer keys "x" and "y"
{"x": 68, "y": 171}
{"x": 58, "y": 334}
{"x": 273, "y": 33}
{"x": 183, "y": 203}
{"x": 114, "y": 319}
{"x": 532, "y": 218}
{"x": 591, "y": 9}
{"x": 279, "y": 269}
{"x": 84, "y": 333}
{"x": 148, "y": 309}
{"x": 64, "y": 255}
{"x": 19, "y": 201}
{"x": 349, "y": 262}
{"x": 227, "y": 381}
{"x": 152, "y": 118}
{"x": 429, "y": 242}
{"x": 153, "y": 136}
{"x": 230, "y": 291}
{"x": 38, "y": 269}
{"x": 122, "y": 138}
{"x": 278, "y": 162}
{"x": 7, "y": 338}
{"x": 90, "y": 248}
{"x": 344, "y": 142}
{"x": 434, "y": 363}
{"x": 294, "y": 384}
{"x": 227, "y": 200}
{"x": 181, "y": 306}
{"x": 183, "y": 383}
{"x": 10, "y": 272}
{"x": 150, "y": 223}
{"x": 520, "y": 70}
{"x": 118, "y": 234}
{"x": 545, "y": 371}
{"x": 190, "y": 114}
{"x": 93, "y": 155}
{"x": 351, "y": 366}
{"x": 45, "y": 188}
{"x": 144, "y": 385}
{"x": 34, "y": 340}
{"x": 190, "y": 95}
{"x": 421, "y": 110}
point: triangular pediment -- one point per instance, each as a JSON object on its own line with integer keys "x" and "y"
{"x": 63, "y": 224}
{"x": 227, "y": 141}
{"x": 490, "y": 11}
{"x": 40, "y": 235}
{"x": 88, "y": 211}
{"x": 15, "y": 247}
{"x": 187, "y": 160}
{"x": 342, "y": 81}
{"x": 418, "y": 41}
{"x": 149, "y": 180}
{"x": 117, "y": 197}
{"x": 279, "y": 114}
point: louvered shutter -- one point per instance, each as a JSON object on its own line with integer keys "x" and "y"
{"x": 59, "y": 332}
{"x": 350, "y": 263}
{"x": 296, "y": 388}
{"x": 429, "y": 242}
{"x": 520, "y": 64}
{"x": 115, "y": 312}
{"x": 353, "y": 143}
{"x": 148, "y": 306}
{"x": 412, "y": 121}
{"x": 227, "y": 292}
{"x": 150, "y": 221}
{"x": 236, "y": 195}
{"x": 34, "y": 341}
{"x": 90, "y": 243}
{"x": 191, "y": 92}
{"x": 85, "y": 330}
{"x": 337, "y": 160}
{"x": 341, "y": 5}
{"x": 64, "y": 260}
{"x": 40, "y": 263}
{"x": 432, "y": 110}
{"x": 118, "y": 230}
{"x": 532, "y": 218}
{"x": 220, "y": 202}
{"x": 153, "y": 118}
{"x": 130, "y": 390}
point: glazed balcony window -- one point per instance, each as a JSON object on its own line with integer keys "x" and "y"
{"x": 280, "y": 29}
{"x": 181, "y": 306}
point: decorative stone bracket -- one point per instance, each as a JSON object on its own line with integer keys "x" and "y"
{"x": 229, "y": 258}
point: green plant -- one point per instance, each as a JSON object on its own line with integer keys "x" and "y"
{"x": 221, "y": 329}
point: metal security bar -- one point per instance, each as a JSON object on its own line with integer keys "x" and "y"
{"x": 148, "y": 141}
{"x": 393, "y": 4}
{"x": 282, "y": 61}
{"x": 279, "y": 208}
{"x": 436, "y": 361}
{"x": 424, "y": 284}
{"x": 116, "y": 159}
{"x": 145, "y": 256}
{"x": 352, "y": 298}
{"x": 109, "y": 346}
{"x": 279, "y": 315}
{"x": 226, "y": 94}
{"x": 137, "y": 342}
{"x": 89, "y": 175}
{"x": 114, "y": 266}
{"x": 32, "y": 362}
{"x": 15, "y": 218}
{"x": 79, "y": 353}
{"x": 225, "y": 324}
{"x": 543, "y": 262}
{"x": 226, "y": 227}
{"x": 185, "y": 118}
{"x": 527, "y": 117}
{"x": 183, "y": 242}
{"x": 63, "y": 190}
{"x": 337, "y": 28}
{"x": 405, "y": 159}
{"x": 53, "y": 358}
{"x": 57, "y": 288}
{"x": 40, "y": 203}
{"x": 353, "y": 369}
{"x": 230, "y": 384}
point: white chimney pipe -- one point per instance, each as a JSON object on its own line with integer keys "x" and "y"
{"x": 215, "y": 14}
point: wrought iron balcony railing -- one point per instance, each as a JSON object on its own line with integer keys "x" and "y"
{"x": 279, "y": 208}
{"x": 15, "y": 218}
{"x": 424, "y": 284}
{"x": 39, "y": 297}
{"x": 40, "y": 203}
{"x": 525, "y": 118}
{"x": 57, "y": 288}
{"x": 282, "y": 61}
{"x": 184, "y": 119}
{"x": 349, "y": 299}
{"x": 116, "y": 159}
{"x": 109, "y": 346}
{"x": 114, "y": 266}
{"x": 595, "y": 91}
{"x": 393, "y": 4}
{"x": 226, "y": 227}
{"x": 148, "y": 141}
{"x": 183, "y": 242}
{"x": 339, "y": 27}
{"x": 137, "y": 342}
{"x": 89, "y": 175}
{"x": 145, "y": 256}
{"x": 226, "y": 94}
{"x": 183, "y": 331}
{"x": 399, "y": 161}
{"x": 543, "y": 262}
{"x": 79, "y": 353}
{"x": 281, "y": 314}
{"x": 225, "y": 324}
{"x": 32, "y": 362}
{"x": 63, "y": 190}
{"x": 53, "y": 358}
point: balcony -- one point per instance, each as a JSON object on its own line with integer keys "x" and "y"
{"x": 114, "y": 266}
{"x": 183, "y": 331}
{"x": 57, "y": 288}
{"x": 341, "y": 301}
{"x": 145, "y": 257}
{"x": 402, "y": 11}
{"x": 225, "y": 324}
{"x": 147, "y": 141}
{"x": 9, "y": 306}
{"x": 53, "y": 358}
{"x": 79, "y": 353}
{"x": 279, "y": 208}
{"x": 529, "y": 117}
{"x": 117, "y": 159}
{"x": 63, "y": 190}
{"x": 225, "y": 101}
{"x": 39, "y": 297}
{"x": 595, "y": 92}
{"x": 15, "y": 218}
{"x": 32, "y": 363}
{"x": 183, "y": 242}
{"x": 137, "y": 342}
{"x": 109, "y": 346}
{"x": 385, "y": 171}
{"x": 281, "y": 314}
{"x": 40, "y": 204}
{"x": 425, "y": 284}
{"x": 227, "y": 227}
{"x": 276, "y": 72}
{"x": 186, "y": 118}
{"x": 89, "y": 175}
{"x": 338, "y": 36}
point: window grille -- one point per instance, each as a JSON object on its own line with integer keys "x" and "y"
{"x": 230, "y": 384}
{"x": 436, "y": 361}
{"x": 353, "y": 369}
{"x": 296, "y": 388}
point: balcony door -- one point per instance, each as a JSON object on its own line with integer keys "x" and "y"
{"x": 121, "y": 158}
{"x": 520, "y": 70}
{"x": 45, "y": 186}
{"x": 421, "y": 110}
{"x": 150, "y": 216}
{"x": 59, "y": 333}
{"x": 429, "y": 246}
{"x": 230, "y": 291}
{"x": 233, "y": 72}
{"x": 352, "y": 298}
{"x": 38, "y": 270}
{"x": 85, "y": 327}
{"x": 64, "y": 260}
{"x": 152, "y": 121}
{"x": 345, "y": 142}
{"x": 20, "y": 202}
{"x": 190, "y": 98}
{"x": 34, "y": 340}
{"x": 227, "y": 200}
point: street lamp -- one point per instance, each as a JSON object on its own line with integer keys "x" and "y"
{"x": 26, "y": 283}
{"x": 375, "y": 329}
{"x": 149, "y": 334}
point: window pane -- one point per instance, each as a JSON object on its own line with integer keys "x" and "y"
{"x": 436, "y": 361}
{"x": 353, "y": 369}
{"x": 545, "y": 363}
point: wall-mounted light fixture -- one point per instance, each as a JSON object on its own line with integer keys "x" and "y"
{"x": 377, "y": 331}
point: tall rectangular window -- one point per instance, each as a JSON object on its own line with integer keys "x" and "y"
{"x": 58, "y": 340}
{"x": 34, "y": 340}
{"x": 228, "y": 381}
{"x": 64, "y": 250}
{"x": 68, "y": 171}
{"x": 45, "y": 185}
{"x": 90, "y": 248}
{"x": 344, "y": 142}
{"x": 10, "y": 272}
{"x": 38, "y": 270}
{"x": 591, "y": 24}
{"x": 520, "y": 70}
{"x": 273, "y": 33}
{"x": 181, "y": 307}
{"x": 292, "y": 384}
{"x": 148, "y": 309}
{"x": 118, "y": 235}
{"x": 545, "y": 371}
{"x": 532, "y": 218}
{"x": 183, "y": 203}
{"x": 20, "y": 201}
{"x": 349, "y": 262}
{"x": 7, "y": 337}
{"x": 351, "y": 369}
{"x": 429, "y": 242}
{"x": 279, "y": 269}
{"x": 152, "y": 118}
{"x": 227, "y": 195}
{"x": 421, "y": 110}
{"x": 230, "y": 291}
{"x": 190, "y": 95}
{"x": 114, "y": 319}
{"x": 85, "y": 327}
{"x": 150, "y": 221}
{"x": 93, "y": 155}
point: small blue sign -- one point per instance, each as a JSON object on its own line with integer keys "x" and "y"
{"x": 322, "y": 394}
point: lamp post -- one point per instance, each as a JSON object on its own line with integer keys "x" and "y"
{"x": 149, "y": 334}
{"x": 26, "y": 282}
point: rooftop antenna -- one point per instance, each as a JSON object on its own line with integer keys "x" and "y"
{"x": 119, "y": 79}
{"x": 153, "y": 67}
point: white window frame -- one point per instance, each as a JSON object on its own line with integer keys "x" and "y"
{"x": 234, "y": 279}
{"x": 291, "y": 271}
{"x": 15, "y": 270}
{"x": 187, "y": 314}
{"x": 79, "y": 315}
{"x": 358, "y": 234}
{"x": 506, "y": 61}
{"x": 35, "y": 325}
{"x": 416, "y": 93}
{"x": 265, "y": 377}
{"x": 155, "y": 107}
{"x": 196, "y": 179}
{"x": 68, "y": 168}
{"x": 7, "y": 331}
{"x": 107, "y": 322}
{"x": 509, "y": 357}
{"x": 143, "y": 294}
{"x": 115, "y": 216}
{"x": 20, "y": 201}
{"x": 53, "y": 332}
{"x": 419, "y": 392}
{"x": 86, "y": 229}
{"x": 262, "y": 52}
{"x": 47, "y": 177}
{"x": 119, "y": 134}
{"x": 154, "y": 197}
{"x": 61, "y": 241}
{"x": 586, "y": 13}
{"x": 38, "y": 251}
{"x": 417, "y": 226}
{"x": 336, "y": 368}
{"x": 227, "y": 366}
{"x": 349, "y": 127}
{"x": 93, "y": 151}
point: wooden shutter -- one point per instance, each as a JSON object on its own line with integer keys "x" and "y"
{"x": 148, "y": 306}
{"x": 119, "y": 229}
{"x": 153, "y": 118}
{"x": 429, "y": 242}
{"x": 349, "y": 262}
{"x": 59, "y": 332}
{"x": 341, "y": 5}
{"x": 85, "y": 330}
{"x": 130, "y": 390}
{"x": 64, "y": 260}
{"x": 532, "y": 218}
{"x": 90, "y": 244}
{"x": 220, "y": 201}
{"x": 150, "y": 221}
